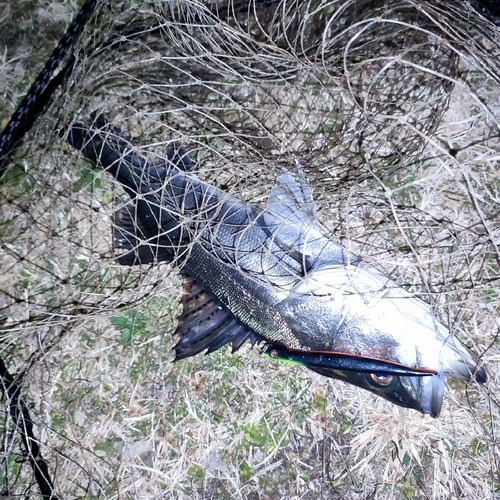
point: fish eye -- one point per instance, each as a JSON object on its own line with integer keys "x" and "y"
{"x": 380, "y": 379}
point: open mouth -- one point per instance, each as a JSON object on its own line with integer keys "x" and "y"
{"x": 431, "y": 389}
{"x": 431, "y": 392}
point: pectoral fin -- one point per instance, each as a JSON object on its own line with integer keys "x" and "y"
{"x": 206, "y": 324}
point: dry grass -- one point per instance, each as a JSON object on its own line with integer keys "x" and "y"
{"x": 393, "y": 112}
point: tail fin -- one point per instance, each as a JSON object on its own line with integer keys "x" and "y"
{"x": 128, "y": 236}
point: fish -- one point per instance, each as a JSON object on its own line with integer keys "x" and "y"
{"x": 273, "y": 275}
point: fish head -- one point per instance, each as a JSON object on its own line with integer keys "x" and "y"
{"x": 424, "y": 394}
{"x": 356, "y": 310}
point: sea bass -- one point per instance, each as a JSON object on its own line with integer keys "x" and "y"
{"x": 274, "y": 275}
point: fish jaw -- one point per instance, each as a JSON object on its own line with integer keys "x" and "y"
{"x": 458, "y": 362}
{"x": 430, "y": 394}
{"x": 355, "y": 309}
{"x": 407, "y": 392}
{"x": 455, "y": 361}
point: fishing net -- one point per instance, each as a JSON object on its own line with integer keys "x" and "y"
{"x": 390, "y": 108}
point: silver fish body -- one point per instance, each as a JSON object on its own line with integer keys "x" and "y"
{"x": 273, "y": 275}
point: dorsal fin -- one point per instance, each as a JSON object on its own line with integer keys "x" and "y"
{"x": 177, "y": 156}
{"x": 290, "y": 217}
{"x": 206, "y": 324}
{"x": 292, "y": 203}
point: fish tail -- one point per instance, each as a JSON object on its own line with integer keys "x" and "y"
{"x": 129, "y": 238}
{"x": 136, "y": 232}
{"x": 105, "y": 146}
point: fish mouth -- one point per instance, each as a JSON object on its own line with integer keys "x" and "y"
{"x": 465, "y": 369}
{"x": 456, "y": 362}
{"x": 395, "y": 382}
{"x": 430, "y": 394}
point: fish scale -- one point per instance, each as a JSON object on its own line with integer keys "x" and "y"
{"x": 251, "y": 302}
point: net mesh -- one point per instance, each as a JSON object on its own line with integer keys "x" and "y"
{"x": 391, "y": 109}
